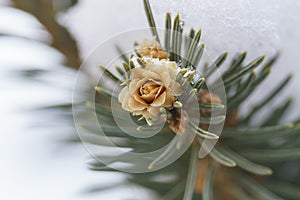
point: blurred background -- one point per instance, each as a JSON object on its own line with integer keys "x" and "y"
{"x": 43, "y": 42}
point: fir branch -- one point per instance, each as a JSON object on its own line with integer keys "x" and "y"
{"x": 239, "y": 75}
{"x": 120, "y": 71}
{"x": 203, "y": 133}
{"x": 168, "y": 32}
{"x": 198, "y": 55}
{"x": 247, "y": 164}
{"x": 109, "y": 74}
{"x": 192, "y": 174}
{"x": 213, "y": 120}
{"x": 220, "y": 60}
{"x": 151, "y": 20}
{"x": 208, "y": 182}
{"x": 176, "y": 40}
{"x": 272, "y": 155}
{"x": 235, "y": 65}
{"x": 212, "y": 106}
{"x": 191, "y": 51}
{"x": 188, "y": 41}
{"x": 287, "y": 190}
{"x": 221, "y": 158}
{"x": 261, "y": 133}
{"x": 217, "y": 154}
{"x": 266, "y": 100}
{"x": 257, "y": 190}
{"x": 165, "y": 154}
{"x": 242, "y": 93}
{"x": 277, "y": 114}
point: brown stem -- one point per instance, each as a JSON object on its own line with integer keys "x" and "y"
{"x": 63, "y": 41}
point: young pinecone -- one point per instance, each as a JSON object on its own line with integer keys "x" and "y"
{"x": 207, "y": 98}
{"x": 179, "y": 121}
{"x": 152, "y": 49}
{"x": 224, "y": 188}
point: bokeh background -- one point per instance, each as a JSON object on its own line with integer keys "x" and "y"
{"x": 36, "y": 160}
